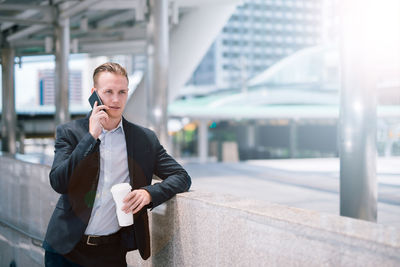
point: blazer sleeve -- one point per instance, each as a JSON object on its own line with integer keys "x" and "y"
{"x": 174, "y": 176}
{"x": 67, "y": 156}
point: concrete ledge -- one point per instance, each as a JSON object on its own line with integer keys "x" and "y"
{"x": 200, "y": 229}
{"x": 203, "y": 229}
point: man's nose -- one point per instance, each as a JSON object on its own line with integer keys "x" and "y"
{"x": 115, "y": 98}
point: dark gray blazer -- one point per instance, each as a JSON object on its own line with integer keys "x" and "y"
{"x": 75, "y": 175}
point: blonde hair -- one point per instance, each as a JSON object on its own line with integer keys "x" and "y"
{"x": 109, "y": 67}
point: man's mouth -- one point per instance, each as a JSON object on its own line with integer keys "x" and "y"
{"x": 114, "y": 107}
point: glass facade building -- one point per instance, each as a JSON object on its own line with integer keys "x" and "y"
{"x": 259, "y": 34}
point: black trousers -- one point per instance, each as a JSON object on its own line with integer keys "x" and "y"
{"x": 83, "y": 255}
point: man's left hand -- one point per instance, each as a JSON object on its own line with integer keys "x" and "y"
{"x": 136, "y": 200}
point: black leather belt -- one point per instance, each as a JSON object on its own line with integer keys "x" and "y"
{"x": 95, "y": 240}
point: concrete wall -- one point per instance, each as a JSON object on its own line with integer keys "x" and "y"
{"x": 200, "y": 229}
{"x": 203, "y": 229}
{"x": 26, "y": 204}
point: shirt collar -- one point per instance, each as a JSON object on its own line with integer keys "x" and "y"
{"x": 119, "y": 126}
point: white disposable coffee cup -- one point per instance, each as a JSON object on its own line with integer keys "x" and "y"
{"x": 119, "y": 192}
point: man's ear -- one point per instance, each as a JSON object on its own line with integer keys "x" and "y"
{"x": 91, "y": 91}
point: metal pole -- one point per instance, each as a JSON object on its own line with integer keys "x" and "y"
{"x": 61, "y": 71}
{"x": 157, "y": 75}
{"x": 21, "y": 138}
{"x": 358, "y": 185}
{"x": 251, "y": 135}
{"x": 203, "y": 141}
{"x": 293, "y": 138}
{"x": 8, "y": 117}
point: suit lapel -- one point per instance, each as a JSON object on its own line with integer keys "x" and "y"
{"x": 129, "y": 148}
{"x": 133, "y": 137}
{"x": 136, "y": 174}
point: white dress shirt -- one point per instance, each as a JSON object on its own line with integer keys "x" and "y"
{"x": 113, "y": 170}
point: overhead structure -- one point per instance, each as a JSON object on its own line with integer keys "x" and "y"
{"x": 32, "y": 22}
{"x": 102, "y": 27}
{"x": 198, "y": 24}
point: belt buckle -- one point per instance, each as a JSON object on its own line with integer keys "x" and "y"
{"x": 88, "y": 241}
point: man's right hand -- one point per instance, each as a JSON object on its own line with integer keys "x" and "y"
{"x": 97, "y": 119}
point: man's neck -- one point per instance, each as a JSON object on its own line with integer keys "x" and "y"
{"x": 112, "y": 123}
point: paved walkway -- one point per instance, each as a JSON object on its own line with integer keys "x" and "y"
{"x": 304, "y": 183}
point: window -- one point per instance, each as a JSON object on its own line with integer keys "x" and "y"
{"x": 289, "y": 15}
{"x": 288, "y": 51}
{"x": 269, "y": 62}
{"x": 278, "y": 51}
{"x": 289, "y": 27}
{"x": 299, "y": 3}
{"x": 299, "y": 40}
{"x": 289, "y": 39}
{"x": 299, "y": 28}
{"x": 268, "y": 26}
{"x": 309, "y": 16}
{"x": 278, "y": 27}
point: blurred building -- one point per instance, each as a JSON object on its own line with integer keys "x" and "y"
{"x": 289, "y": 110}
{"x": 47, "y": 89}
{"x": 259, "y": 34}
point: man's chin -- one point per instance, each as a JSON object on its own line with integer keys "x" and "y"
{"x": 114, "y": 114}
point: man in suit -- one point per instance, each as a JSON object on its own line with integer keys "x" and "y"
{"x": 92, "y": 155}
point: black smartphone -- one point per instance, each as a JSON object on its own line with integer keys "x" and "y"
{"x": 93, "y": 98}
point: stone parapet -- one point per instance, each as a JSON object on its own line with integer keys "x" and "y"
{"x": 204, "y": 229}
{"x": 201, "y": 229}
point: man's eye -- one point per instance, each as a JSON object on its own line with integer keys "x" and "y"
{"x": 108, "y": 92}
{"x": 122, "y": 92}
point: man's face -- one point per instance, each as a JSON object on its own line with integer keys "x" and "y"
{"x": 113, "y": 91}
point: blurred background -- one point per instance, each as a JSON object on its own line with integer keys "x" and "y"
{"x": 285, "y": 113}
{"x": 267, "y": 87}
{"x": 251, "y": 96}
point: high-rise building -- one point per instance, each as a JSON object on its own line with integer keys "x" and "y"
{"x": 47, "y": 87}
{"x": 258, "y": 34}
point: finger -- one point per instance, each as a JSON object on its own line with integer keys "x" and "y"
{"x": 129, "y": 204}
{"x": 102, "y": 115}
{"x": 129, "y": 196}
{"x": 136, "y": 203}
{"x": 138, "y": 208}
{"x": 133, "y": 203}
{"x": 101, "y": 107}
{"x": 97, "y": 109}
{"x": 132, "y": 200}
